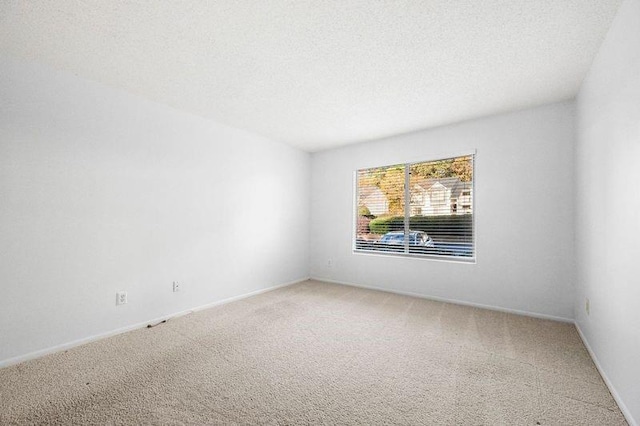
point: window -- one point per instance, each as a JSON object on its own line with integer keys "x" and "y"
{"x": 437, "y": 221}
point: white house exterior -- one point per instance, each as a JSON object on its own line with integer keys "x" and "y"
{"x": 445, "y": 196}
{"x": 374, "y": 199}
{"x": 429, "y": 197}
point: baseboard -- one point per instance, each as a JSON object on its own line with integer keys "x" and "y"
{"x": 623, "y": 408}
{"x": 453, "y": 301}
{"x": 83, "y": 341}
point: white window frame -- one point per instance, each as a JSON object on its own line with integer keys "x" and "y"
{"x": 407, "y": 165}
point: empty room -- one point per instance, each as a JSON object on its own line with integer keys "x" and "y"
{"x": 417, "y": 212}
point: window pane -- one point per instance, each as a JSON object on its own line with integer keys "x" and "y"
{"x": 442, "y": 205}
{"x": 381, "y": 205}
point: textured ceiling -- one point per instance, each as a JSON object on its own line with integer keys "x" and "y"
{"x": 318, "y": 74}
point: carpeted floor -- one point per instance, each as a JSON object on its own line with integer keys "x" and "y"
{"x": 317, "y": 353}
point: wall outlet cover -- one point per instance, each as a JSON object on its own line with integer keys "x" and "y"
{"x": 121, "y": 298}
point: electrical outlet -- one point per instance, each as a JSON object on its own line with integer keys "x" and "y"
{"x": 587, "y": 306}
{"x": 176, "y": 286}
{"x": 330, "y": 263}
{"x": 121, "y": 298}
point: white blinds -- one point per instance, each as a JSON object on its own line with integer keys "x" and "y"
{"x": 423, "y": 209}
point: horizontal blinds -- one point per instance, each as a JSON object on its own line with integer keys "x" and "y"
{"x": 434, "y": 217}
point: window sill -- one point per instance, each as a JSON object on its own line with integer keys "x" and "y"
{"x": 438, "y": 258}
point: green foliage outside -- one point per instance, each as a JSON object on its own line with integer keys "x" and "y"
{"x": 382, "y": 225}
{"x": 390, "y": 180}
{"x": 460, "y": 167}
{"x": 453, "y": 228}
{"x": 364, "y": 211}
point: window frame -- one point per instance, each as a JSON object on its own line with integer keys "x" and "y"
{"x": 407, "y": 165}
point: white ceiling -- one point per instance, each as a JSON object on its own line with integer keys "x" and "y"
{"x": 318, "y": 74}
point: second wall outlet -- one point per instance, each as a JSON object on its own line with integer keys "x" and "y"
{"x": 121, "y": 298}
{"x": 176, "y": 286}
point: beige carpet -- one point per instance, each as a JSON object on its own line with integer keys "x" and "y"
{"x": 317, "y": 353}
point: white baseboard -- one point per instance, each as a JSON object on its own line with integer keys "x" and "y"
{"x": 79, "y": 342}
{"x": 614, "y": 393}
{"x": 453, "y": 301}
{"x": 65, "y": 346}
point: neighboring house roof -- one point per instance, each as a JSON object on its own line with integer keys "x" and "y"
{"x": 368, "y": 190}
{"x": 374, "y": 199}
{"x": 452, "y": 183}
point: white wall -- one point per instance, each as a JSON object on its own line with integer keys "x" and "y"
{"x": 524, "y": 213}
{"x": 608, "y": 207}
{"x": 102, "y": 191}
